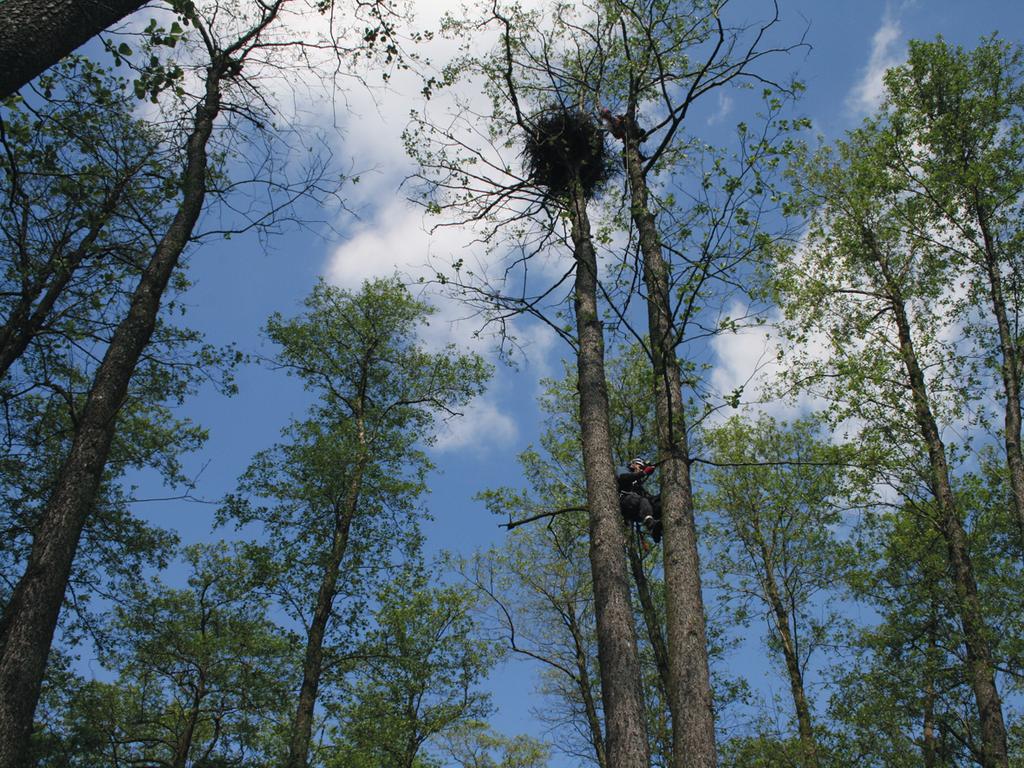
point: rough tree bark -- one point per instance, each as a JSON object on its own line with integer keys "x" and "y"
{"x": 625, "y": 721}
{"x": 690, "y": 700}
{"x": 36, "y": 34}
{"x": 30, "y": 618}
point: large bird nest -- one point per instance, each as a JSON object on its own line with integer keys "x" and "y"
{"x": 563, "y": 146}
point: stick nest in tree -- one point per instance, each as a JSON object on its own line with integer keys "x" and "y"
{"x": 563, "y": 145}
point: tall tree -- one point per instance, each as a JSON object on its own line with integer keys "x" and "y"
{"x": 661, "y": 58}
{"x": 423, "y": 664}
{"x": 225, "y": 44}
{"x": 536, "y": 102}
{"x": 873, "y": 293}
{"x": 86, "y": 187}
{"x": 776, "y": 491}
{"x": 339, "y": 496}
{"x": 956, "y": 124}
{"x": 26, "y": 629}
{"x": 615, "y": 59}
{"x": 625, "y": 719}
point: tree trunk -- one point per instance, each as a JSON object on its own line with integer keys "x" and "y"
{"x": 652, "y": 622}
{"x": 651, "y": 619}
{"x": 928, "y": 731}
{"x": 690, "y": 700}
{"x": 184, "y": 745}
{"x": 36, "y": 34}
{"x": 312, "y": 665}
{"x": 30, "y": 618}
{"x": 625, "y": 722}
{"x": 980, "y": 665}
{"x": 1009, "y": 369}
{"x": 808, "y": 745}
{"x": 928, "y": 746}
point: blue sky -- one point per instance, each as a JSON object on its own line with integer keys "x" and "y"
{"x": 240, "y": 282}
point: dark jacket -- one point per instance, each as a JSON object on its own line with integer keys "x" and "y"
{"x": 632, "y": 482}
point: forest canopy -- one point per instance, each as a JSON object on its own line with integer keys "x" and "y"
{"x": 763, "y": 505}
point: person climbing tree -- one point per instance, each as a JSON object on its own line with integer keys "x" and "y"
{"x": 635, "y": 502}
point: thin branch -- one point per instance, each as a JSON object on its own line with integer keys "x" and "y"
{"x": 515, "y": 523}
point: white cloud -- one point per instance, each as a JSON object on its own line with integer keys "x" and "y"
{"x": 482, "y": 425}
{"x": 397, "y": 239}
{"x": 394, "y": 239}
{"x": 867, "y": 93}
{"x": 725, "y": 103}
{"x": 747, "y": 360}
